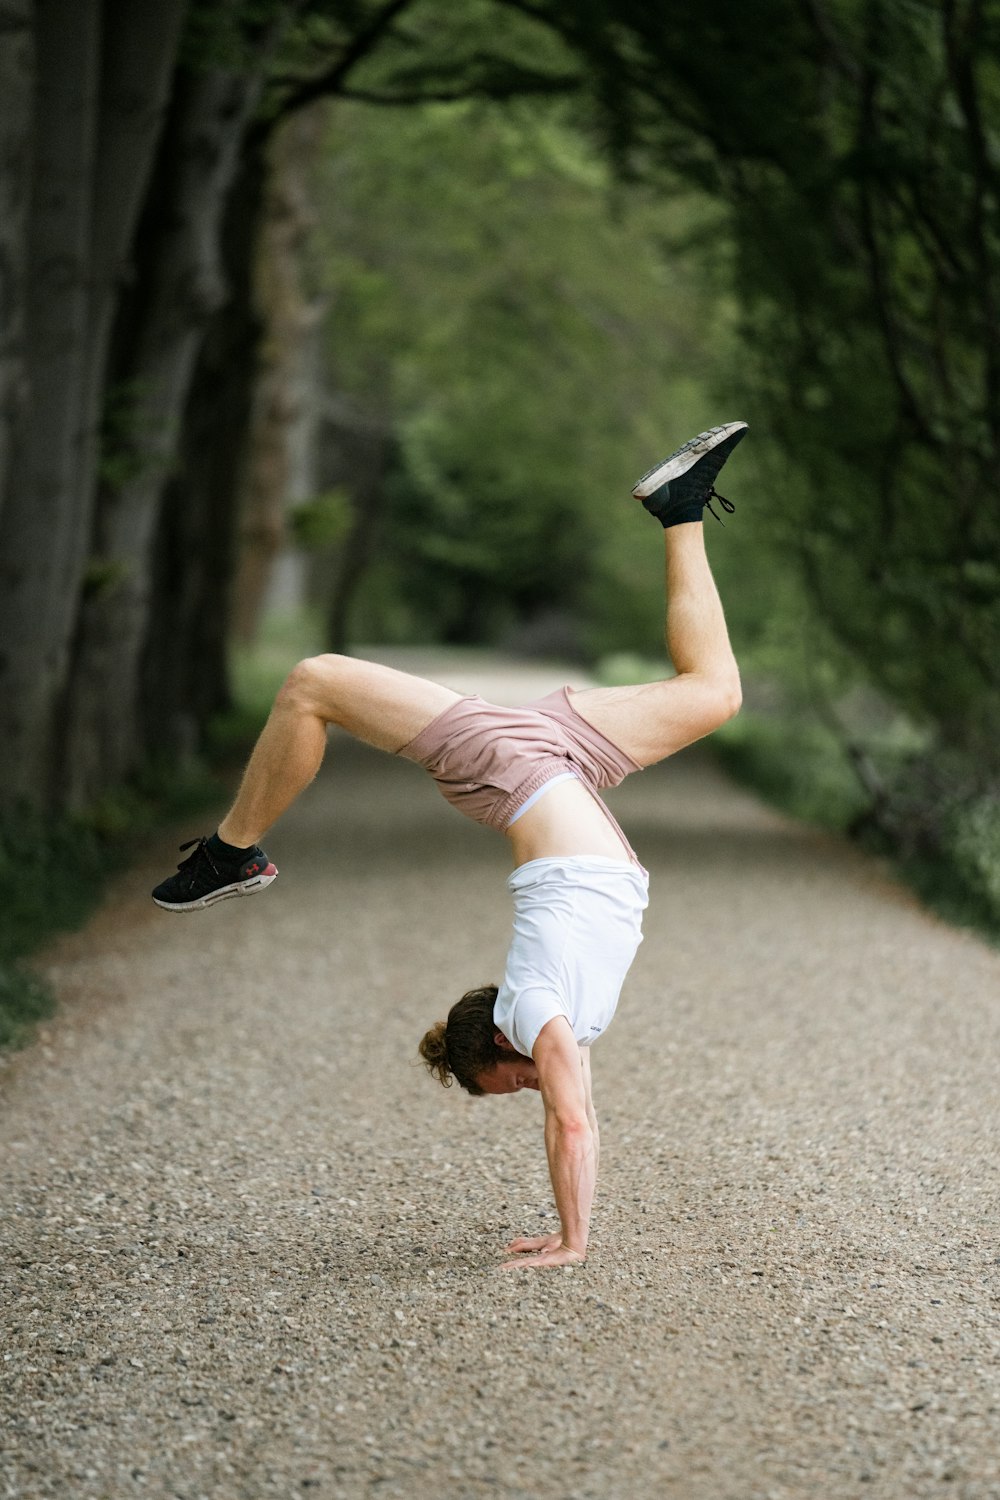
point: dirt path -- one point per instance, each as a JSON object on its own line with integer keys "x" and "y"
{"x": 249, "y": 1247}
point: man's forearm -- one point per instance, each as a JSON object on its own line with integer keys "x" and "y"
{"x": 597, "y": 1139}
{"x": 571, "y": 1148}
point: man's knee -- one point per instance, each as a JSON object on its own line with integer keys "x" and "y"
{"x": 720, "y": 700}
{"x": 312, "y": 684}
{"x": 729, "y": 697}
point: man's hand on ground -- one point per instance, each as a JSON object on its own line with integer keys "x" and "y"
{"x": 552, "y": 1255}
{"x": 523, "y": 1245}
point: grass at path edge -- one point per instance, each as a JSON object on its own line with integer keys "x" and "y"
{"x": 802, "y": 770}
{"x": 55, "y": 871}
{"x": 795, "y": 763}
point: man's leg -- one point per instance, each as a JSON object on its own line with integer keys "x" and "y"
{"x": 376, "y": 704}
{"x": 379, "y": 705}
{"x": 655, "y": 719}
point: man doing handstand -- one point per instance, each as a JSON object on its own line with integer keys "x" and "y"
{"x": 534, "y": 774}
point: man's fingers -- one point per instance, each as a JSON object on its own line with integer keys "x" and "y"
{"x": 524, "y": 1243}
{"x": 546, "y": 1260}
{"x": 539, "y": 1242}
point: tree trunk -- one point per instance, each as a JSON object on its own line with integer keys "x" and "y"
{"x": 184, "y": 674}
{"x": 365, "y": 451}
{"x": 17, "y": 86}
{"x": 138, "y": 59}
{"x": 104, "y": 74}
{"x": 38, "y": 532}
{"x": 182, "y": 286}
{"x": 281, "y": 441}
{"x": 236, "y": 458}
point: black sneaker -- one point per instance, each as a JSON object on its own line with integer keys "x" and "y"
{"x": 203, "y": 878}
{"x": 679, "y": 488}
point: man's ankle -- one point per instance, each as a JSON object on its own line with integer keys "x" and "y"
{"x": 226, "y": 850}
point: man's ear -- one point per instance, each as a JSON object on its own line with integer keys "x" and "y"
{"x": 503, "y": 1042}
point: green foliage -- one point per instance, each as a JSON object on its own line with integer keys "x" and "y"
{"x": 856, "y": 150}
{"x": 503, "y": 309}
{"x": 24, "y": 1001}
{"x": 940, "y": 886}
{"x": 797, "y": 764}
{"x": 54, "y": 871}
{"x": 258, "y": 671}
{"x": 858, "y": 160}
{"x": 162, "y": 790}
{"x": 946, "y": 843}
{"x": 621, "y": 668}
{"x": 440, "y": 50}
{"x": 419, "y": 51}
{"x": 227, "y": 37}
{"x": 317, "y": 523}
{"x": 48, "y": 870}
{"x": 974, "y": 846}
{"x": 50, "y": 873}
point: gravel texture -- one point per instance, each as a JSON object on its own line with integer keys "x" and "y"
{"x": 250, "y": 1248}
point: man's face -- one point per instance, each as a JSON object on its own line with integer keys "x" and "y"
{"x": 509, "y": 1076}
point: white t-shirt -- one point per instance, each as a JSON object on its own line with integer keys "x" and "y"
{"x": 577, "y": 926}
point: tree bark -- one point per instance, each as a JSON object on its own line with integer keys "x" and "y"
{"x": 184, "y": 673}
{"x": 282, "y": 437}
{"x": 365, "y": 452}
{"x": 17, "y": 86}
{"x": 139, "y": 56}
{"x": 38, "y": 527}
{"x": 183, "y": 284}
{"x": 104, "y": 74}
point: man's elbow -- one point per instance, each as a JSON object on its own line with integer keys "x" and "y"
{"x": 574, "y": 1133}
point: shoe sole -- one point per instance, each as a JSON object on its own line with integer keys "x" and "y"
{"x": 685, "y": 458}
{"x": 224, "y": 893}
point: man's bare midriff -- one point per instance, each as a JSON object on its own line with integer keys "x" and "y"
{"x": 566, "y": 820}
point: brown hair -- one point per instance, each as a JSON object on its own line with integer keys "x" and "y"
{"x": 463, "y": 1047}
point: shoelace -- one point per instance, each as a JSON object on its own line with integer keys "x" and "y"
{"x": 727, "y": 505}
{"x": 192, "y": 859}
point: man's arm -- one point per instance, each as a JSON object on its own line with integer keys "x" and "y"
{"x": 570, "y": 1143}
{"x": 591, "y": 1115}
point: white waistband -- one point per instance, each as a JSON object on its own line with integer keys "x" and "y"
{"x": 540, "y": 792}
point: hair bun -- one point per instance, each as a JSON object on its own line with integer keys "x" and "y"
{"x": 434, "y": 1051}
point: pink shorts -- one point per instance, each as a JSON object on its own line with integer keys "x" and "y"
{"x": 487, "y": 760}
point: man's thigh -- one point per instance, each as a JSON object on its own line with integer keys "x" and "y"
{"x": 651, "y": 720}
{"x": 377, "y": 704}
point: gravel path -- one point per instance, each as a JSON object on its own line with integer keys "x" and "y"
{"x": 249, "y": 1247}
